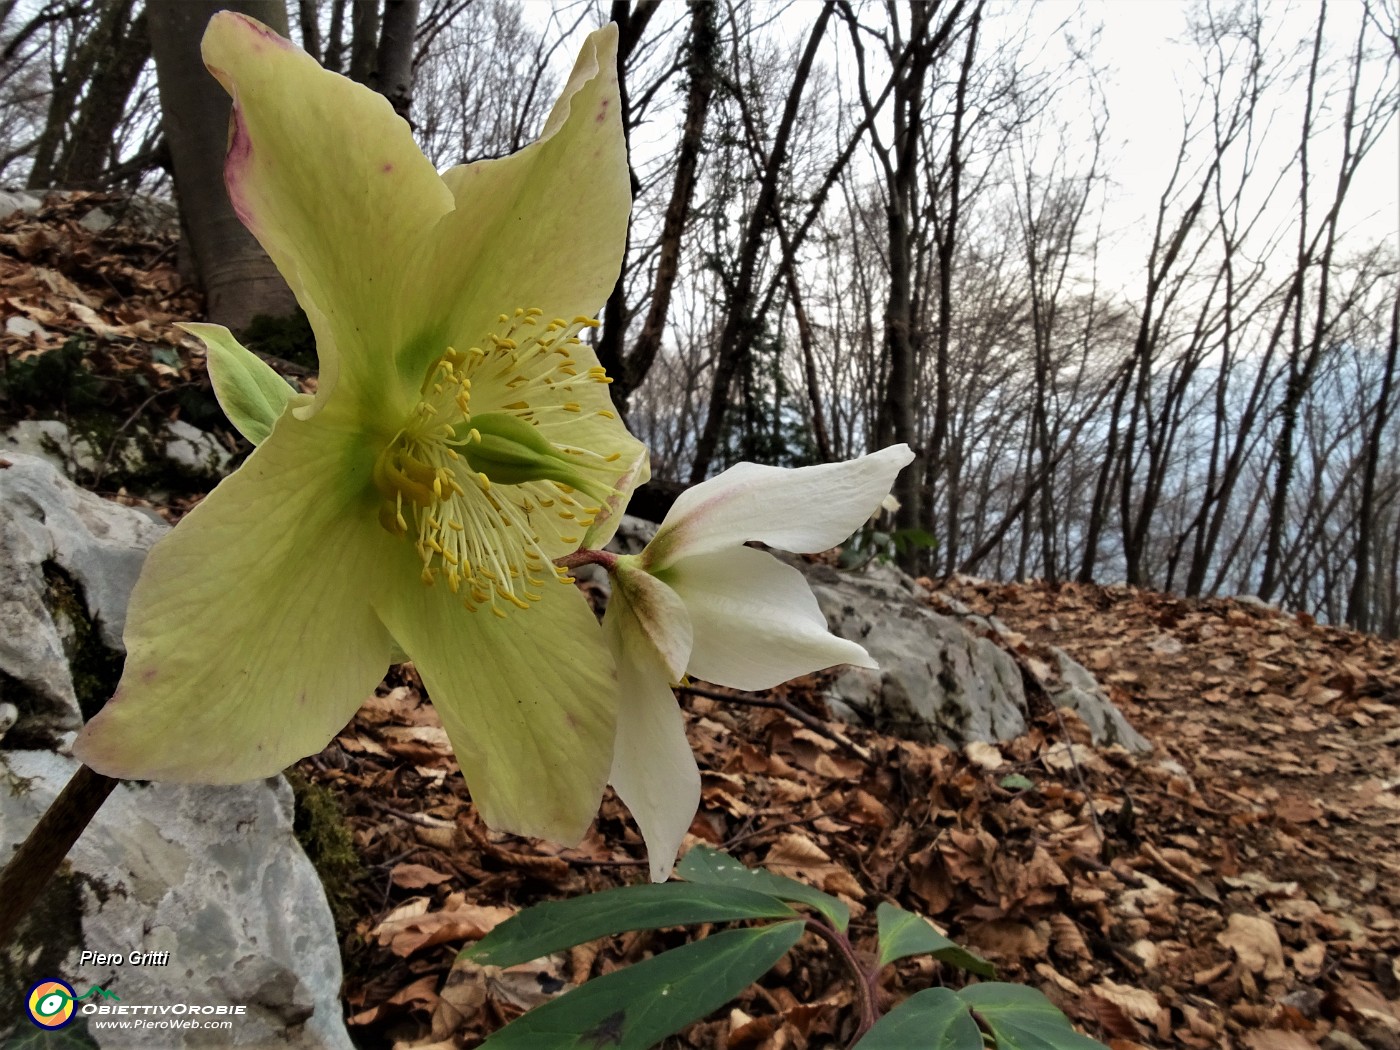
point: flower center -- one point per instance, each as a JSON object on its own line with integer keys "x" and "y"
{"x": 490, "y": 472}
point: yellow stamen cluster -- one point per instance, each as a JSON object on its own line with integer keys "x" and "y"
{"x": 494, "y": 541}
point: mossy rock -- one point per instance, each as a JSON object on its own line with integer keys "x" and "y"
{"x": 95, "y": 668}
{"x": 320, "y": 827}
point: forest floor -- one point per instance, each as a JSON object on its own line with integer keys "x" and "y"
{"x": 1238, "y": 887}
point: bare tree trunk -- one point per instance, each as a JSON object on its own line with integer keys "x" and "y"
{"x": 68, "y": 80}
{"x": 629, "y": 368}
{"x": 737, "y": 336}
{"x": 631, "y": 20}
{"x": 902, "y": 172}
{"x": 945, "y": 233}
{"x": 120, "y": 46}
{"x": 364, "y": 40}
{"x": 393, "y": 70}
{"x": 1103, "y": 487}
{"x": 1359, "y": 605}
{"x": 239, "y": 279}
{"x": 334, "y": 56}
{"x": 310, "y": 21}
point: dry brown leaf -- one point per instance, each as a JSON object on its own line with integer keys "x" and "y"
{"x": 984, "y": 755}
{"x": 466, "y": 923}
{"x": 798, "y": 857}
{"x": 416, "y": 876}
{"x": 1011, "y": 941}
{"x": 1277, "y": 1039}
{"x": 1254, "y": 940}
{"x": 1137, "y": 1003}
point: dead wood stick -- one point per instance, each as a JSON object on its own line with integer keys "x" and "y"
{"x": 788, "y": 708}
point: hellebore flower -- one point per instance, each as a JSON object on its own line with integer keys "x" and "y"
{"x": 460, "y": 440}
{"x": 698, "y": 601}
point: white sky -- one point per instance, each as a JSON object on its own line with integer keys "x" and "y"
{"x": 1150, "y": 66}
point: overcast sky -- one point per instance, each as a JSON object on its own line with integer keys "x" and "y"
{"x": 1147, "y": 65}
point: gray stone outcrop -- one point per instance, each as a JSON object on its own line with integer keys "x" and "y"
{"x": 210, "y": 880}
{"x": 936, "y": 681}
{"x": 48, "y": 526}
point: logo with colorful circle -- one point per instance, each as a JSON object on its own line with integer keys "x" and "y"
{"x": 51, "y": 1003}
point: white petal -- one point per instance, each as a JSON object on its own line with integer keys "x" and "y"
{"x": 805, "y": 510}
{"x": 653, "y": 771}
{"x": 657, "y": 612}
{"x": 755, "y": 620}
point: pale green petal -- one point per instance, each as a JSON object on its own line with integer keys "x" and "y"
{"x": 328, "y": 178}
{"x": 657, "y": 613}
{"x": 653, "y": 770}
{"x": 251, "y": 394}
{"x": 805, "y": 510}
{"x": 529, "y": 702}
{"x": 250, "y": 637}
{"x": 544, "y": 227}
{"x": 755, "y": 621}
{"x": 609, "y": 516}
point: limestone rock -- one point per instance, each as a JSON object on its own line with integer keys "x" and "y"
{"x": 937, "y": 680}
{"x": 48, "y": 525}
{"x": 12, "y": 201}
{"x": 198, "y": 453}
{"x": 175, "y": 448}
{"x": 51, "y": 441}
{"x": 941, "y": 677}
{"x": 211, "y": 875}
{"x": 1082, "y": 692}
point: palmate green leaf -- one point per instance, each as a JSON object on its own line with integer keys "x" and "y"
{"x": 903, "y": 934}
{"x": 635, "y": 1008}
{"x": 934, "y": 1019}
{"x": 1021, "y": 1018}
{"x": 555, "y": 925}
{"x": 713, "y": 868}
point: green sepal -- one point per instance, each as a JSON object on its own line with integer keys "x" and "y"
{"x": 636, "y": 1008}
{"x": 1021, "y": 1018}
{"x": 903, "y": 934}
{"x": 251, "y": 394}
{"x": 713, "y": 868}
{"x": 556, "y": 925}
{"x": 934, "y": 1019}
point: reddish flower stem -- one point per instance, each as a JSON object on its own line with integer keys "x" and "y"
{"x": 867, "y": 980}
{"x": 606, "y": 559}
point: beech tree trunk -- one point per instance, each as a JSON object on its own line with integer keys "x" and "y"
{"x": 238, "y": 278}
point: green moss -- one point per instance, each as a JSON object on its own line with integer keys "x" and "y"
{"x": 96, "y": 669}
{"x": 320, "y": 827}
{"x": 58, "y": 381}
